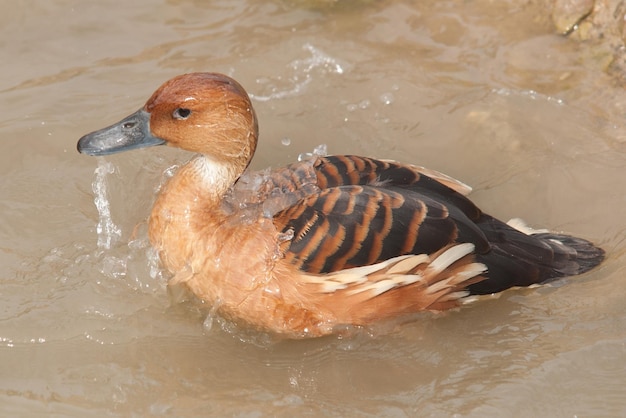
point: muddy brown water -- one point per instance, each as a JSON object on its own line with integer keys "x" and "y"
{"x": 481, "y": 90}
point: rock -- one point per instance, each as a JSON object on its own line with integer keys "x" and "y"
{"x": 566, "y": 14}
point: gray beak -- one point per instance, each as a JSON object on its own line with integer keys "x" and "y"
{"x": 131, "y": 132}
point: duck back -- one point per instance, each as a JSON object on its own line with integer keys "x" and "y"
{"x": 364, "y": 211}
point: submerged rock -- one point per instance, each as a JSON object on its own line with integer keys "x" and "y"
{"x": 599, "y": 22}
{"x": 567, "y": 14}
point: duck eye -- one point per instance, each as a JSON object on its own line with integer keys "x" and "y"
{"x": 181, "y": 113}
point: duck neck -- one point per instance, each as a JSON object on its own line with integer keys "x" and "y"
{"x": 187, "y": 203}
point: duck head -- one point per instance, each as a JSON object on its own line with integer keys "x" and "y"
{"x": 206, "y": 113}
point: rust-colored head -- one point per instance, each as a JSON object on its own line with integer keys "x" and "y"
{"x": 207, "y": 113}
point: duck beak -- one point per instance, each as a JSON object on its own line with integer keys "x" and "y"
{"x": 131, "y": 132}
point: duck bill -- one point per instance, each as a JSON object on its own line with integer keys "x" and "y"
{"x": 131, "y": 132}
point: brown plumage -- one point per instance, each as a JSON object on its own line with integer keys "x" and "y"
{"x": 329, "y": 241}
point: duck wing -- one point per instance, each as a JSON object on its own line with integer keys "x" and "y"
{"x": 366, "y": 211}
{"x": 352, "y": 226}
{"x": 342, "y": 170}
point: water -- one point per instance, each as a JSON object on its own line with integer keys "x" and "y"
{"x": 106, "y": 229}
{"x": 482, "y": 91}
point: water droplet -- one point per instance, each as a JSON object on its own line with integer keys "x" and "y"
{"x": 321, "y": 150}
{"x": 387, "y": 98}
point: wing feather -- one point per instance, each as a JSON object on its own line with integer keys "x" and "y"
{"x": 383, "y": 223}
{"x": 348, "y": 211}
{"x": 342, "y": 170}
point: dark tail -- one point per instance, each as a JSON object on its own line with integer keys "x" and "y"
{"x": 521, "y": 259}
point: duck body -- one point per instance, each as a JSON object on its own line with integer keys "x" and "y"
{"x": 324, "y": 242}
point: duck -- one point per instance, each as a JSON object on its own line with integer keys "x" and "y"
{"x": 324, "y": 243}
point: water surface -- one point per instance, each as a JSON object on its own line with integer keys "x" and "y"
{"x": 481, "y": 90}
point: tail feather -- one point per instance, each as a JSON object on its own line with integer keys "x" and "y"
{"x": 583, "y": 254}
{"x": 522, "y": 256}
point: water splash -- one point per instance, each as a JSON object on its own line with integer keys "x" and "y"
{"x": 319, "y": 151}
{"x": 317, "y": 59}
{"x": 303, "y": 69}
{"x": 211, "y": 317}
{"x": 108, "y": 232}
{"x": 532, "y": 94}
